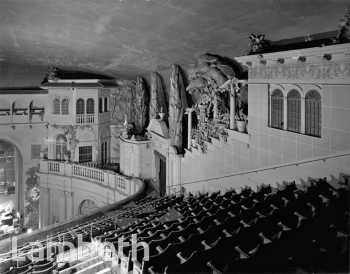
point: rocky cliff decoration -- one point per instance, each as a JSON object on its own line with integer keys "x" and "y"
{"x": 258, "y": 43}
{"x": 344, "y": 28}
{"x": 158, "y": 97}
{"x": 211, "y": 72}
{"x": 177, "y": 106}
{"x": 140, "y": 106}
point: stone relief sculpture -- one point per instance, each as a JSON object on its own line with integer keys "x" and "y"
{"x": 177, "y": 106}
{"x": 158, "y": 97}
{"x": 140, "y": 106}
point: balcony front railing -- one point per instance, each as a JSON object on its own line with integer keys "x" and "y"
{"x": 107, "y": 178}
{"x": 85, "y": 118}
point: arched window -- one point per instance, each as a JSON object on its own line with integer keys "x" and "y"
{"x": 56, "y": 106}
{"x": 65, "y": 106}
{"x": 293, "y": 111}
{"x": 277, "y": 109}
{"x": 61, "y": 147}
{"x": 90, "y": 106}
{"x": 313, "y": 113}
{"x": 106, "y": 104}
{"x": 80, "y": 106}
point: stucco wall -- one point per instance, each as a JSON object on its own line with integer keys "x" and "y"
{"x": 265, "y": 146}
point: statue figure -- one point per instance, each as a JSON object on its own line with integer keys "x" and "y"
{"x": 258, "y": 43}
{"x": 158, "y": 97}
{"x": 177, "y": 106}
{"x": 141, "y": 105}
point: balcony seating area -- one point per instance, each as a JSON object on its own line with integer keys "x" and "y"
{"x": 291, "y": 229}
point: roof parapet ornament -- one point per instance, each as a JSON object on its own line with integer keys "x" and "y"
{"x": 51, "y": 74}
{"x": 344, "y": 28}
{"x": 258, "y": 43}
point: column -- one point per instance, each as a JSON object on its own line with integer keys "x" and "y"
{"x": 65, "y": 205}
{"x": 72, "y": 199}
{"x": 302, "y": 115}
{"x": 189, "y": 127}
{"x": 49, "y": 213}
{"x": 232, "y": 106}
{"x": 201, "y": 113}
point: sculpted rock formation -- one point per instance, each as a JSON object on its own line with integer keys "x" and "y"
{"x": 177, "y": 106}
{"x": 158, "y": 97}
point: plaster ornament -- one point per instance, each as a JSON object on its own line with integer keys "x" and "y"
{"x": 35, "y": 193}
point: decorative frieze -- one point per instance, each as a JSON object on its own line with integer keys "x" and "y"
{"x": 302, "y": 71}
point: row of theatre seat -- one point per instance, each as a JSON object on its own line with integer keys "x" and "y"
{"x": 263, "y": 231}
{"x": 268, "y": 230}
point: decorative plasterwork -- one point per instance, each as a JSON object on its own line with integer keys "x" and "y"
{"x": 302, "y": 71}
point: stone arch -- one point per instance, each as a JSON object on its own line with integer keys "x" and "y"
{"x": 19, "y": 176}
{"x": 87, "y": 206}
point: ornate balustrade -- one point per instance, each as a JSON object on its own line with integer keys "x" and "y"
{"x": 107, "y": 178}
{"x": 85, "y": 118}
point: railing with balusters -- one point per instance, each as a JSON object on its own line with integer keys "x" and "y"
{"x": 90, "y": 118}
{"x": 88, "y": 172}
{"x": 105, "y": 177}
{"x": 53, "y": 167}
{"x": 85, "y": 118}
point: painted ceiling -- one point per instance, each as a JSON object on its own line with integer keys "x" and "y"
{"x": 129, "y": 37}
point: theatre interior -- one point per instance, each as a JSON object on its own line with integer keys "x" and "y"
{"x": 211, "y": 136}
